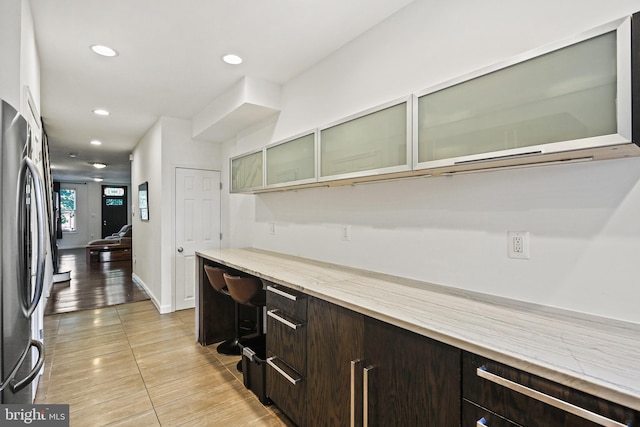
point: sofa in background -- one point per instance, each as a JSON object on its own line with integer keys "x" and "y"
{"x": 116, "y": 247}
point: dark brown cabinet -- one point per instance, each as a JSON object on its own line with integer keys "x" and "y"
{"x": 476, "y": 416}
{"x": 335, "y": 337}
{"x": 287, "y": 351}
{"x": 362, "y": 371}
{"x": 494, "y": 390}
{"x": 410, "y": 380}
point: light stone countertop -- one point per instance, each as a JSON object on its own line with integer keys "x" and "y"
{"x": 596, "y": 355}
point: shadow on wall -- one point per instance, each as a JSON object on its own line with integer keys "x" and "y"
{"x": 569, "y": 200}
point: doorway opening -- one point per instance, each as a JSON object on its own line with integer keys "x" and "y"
{"x": 114, "y": 209}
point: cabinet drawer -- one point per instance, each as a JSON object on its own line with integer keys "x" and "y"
{"x": 286, "y": 388}
{"x": 477, "y": 416}
{"x": 289, "y": 301}
{"x": 533, "y": 401}
{"x": 285, "y": 342}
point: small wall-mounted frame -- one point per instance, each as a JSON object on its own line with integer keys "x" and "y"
{"x": 143, "y": 201}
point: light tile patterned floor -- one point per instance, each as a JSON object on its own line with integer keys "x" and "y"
{"x": 128, "y": 365}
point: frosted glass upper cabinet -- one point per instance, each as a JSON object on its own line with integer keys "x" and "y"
{"x": 568, "y": 96}
{"x": 247, "y": 172}
{"x": 292, "y": 161}
{"x": 374, "y": 142}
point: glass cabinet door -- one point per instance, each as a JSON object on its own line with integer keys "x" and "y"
{"x": 246, "y": 172}
{"x": 375, "y": 142}
{"x": 568, "y": 94}
{"x": 292, "y": 161}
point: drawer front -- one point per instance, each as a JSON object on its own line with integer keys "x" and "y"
{"x": 285, "y": 342}
{"x": 523, "y": 398}
{"x": 287, "y": 300}
{"x": 476, "y": 416}
{"x": 287, "y": 389}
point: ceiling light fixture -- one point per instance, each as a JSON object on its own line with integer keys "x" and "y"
{"x": 73, "y": 155}
{"x": 232, "y": 59}
{"x": 95, "y": 142}
{"x": 99, "y": 165}
{"x": 101, "y": 112}
{"x": 103, "y": 50}
{"x": 98, "y": 179}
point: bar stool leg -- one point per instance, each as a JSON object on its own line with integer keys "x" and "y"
{"x": 232, "y": 347}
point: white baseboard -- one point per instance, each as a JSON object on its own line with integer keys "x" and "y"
{"x": 161, "y": 309}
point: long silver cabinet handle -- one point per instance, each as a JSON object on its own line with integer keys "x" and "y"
{"x": 270, "y": 362}
{"x": 273, "y": 315}
{"x": 281, "y": 293}
{"x": 365, "y": 395}
{"x": 355, "y": 381}
{"x": 550, "y": 400}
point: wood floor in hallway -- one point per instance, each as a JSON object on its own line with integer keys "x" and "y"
{"x": 128, "y": 365}
{"x": 92, "y": 285}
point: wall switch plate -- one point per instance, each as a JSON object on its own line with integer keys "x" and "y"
{"x": 518, "y": 245}
{"x": 346, "y": 233}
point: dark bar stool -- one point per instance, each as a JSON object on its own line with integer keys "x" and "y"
{"x": 248, "y": 291}
{"x": 229, "y": 347}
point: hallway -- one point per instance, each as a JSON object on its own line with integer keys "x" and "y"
{"x": 93, "y": 285}
{"x": 128, "y": 365}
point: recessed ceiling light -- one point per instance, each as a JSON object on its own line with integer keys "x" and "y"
{"x": 98, "y": 179}
{"x": 101, "y": 112}
{"x": 103, "y": 50}
{"x": 73, "y": 155}
{"x": 99, "y": 165}
{"x": 96, "y": 142}
{"x": 232, "y": 59}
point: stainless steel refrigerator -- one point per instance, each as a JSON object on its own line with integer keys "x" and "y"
{"x": 22, "y": 258}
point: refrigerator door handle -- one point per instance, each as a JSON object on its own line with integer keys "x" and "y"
{"x": 9, "y": 381}
{"x": 28, "y": 304}
{"x": 17, "y": 386}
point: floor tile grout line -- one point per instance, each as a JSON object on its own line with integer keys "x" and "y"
{"x": 144, "y": 383}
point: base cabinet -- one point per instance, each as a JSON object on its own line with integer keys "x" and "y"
{"x": 477, "y": 416}
{"x": 360, "y": 371}
{"x": 335, "y": 338}
{"x": 524, "y": 399}
{"x": 409, "y": 380}
{"x": 364, "y": 372}
{"x": 287, "y": 351}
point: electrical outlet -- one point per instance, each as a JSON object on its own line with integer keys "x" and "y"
{"x": 518, "y": 245}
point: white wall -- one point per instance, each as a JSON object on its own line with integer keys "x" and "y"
{"x": 10, "y": 45}
{"x": 146, "y": 167}
{"x": 583, "y": 218}
{"x": 166, "y": 146}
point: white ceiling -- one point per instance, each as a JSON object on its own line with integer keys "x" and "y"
{"x": 169, "y": 63}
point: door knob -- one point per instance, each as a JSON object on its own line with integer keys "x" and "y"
{"x": 180, "y": 249}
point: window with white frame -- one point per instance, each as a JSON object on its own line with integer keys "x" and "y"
{"x": 68, "y": 209}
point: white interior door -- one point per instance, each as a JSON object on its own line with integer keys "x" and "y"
{"x": 197, "y": 227}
